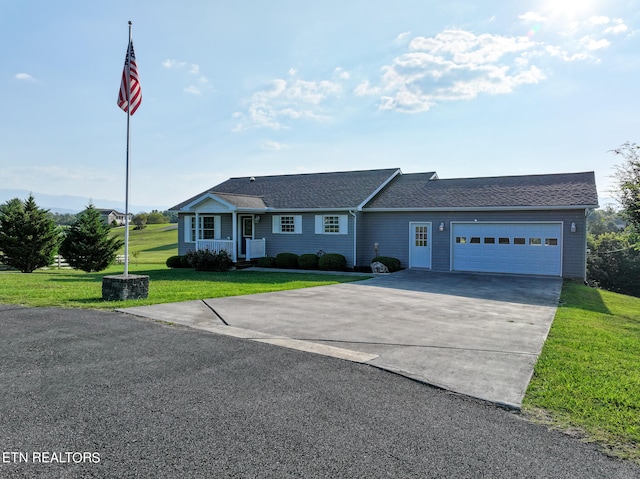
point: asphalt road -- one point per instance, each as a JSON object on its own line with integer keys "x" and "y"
{"x": 95, "y": 394}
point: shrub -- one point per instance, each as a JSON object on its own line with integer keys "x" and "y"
{"x": 174, "y": 262}
{"x": 287, "y": 260}
{"x": 205, "y": 260}
{"x": 392, "y": 264}
{"x": 308, "y": 261}
{"x": 184, "y": 261}
{"x": 266, "y": 262}
{"x": 332, "y": 262}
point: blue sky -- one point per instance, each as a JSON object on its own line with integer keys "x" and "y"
{"x": 256, "y": 88}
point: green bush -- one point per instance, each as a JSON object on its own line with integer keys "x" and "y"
{"x": 184, "y": 261}
{"x": 392, "y": 264}
{"x": 205, "y": 260}
{"x": 266, "y": 262}
{"x": 287, "y": 260}
{"x": 308, "y": 261}
{"x": 332, "y": 262}
{"x": 174, "y": 262}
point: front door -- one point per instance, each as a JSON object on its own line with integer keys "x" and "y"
{"x": 420, "y": 245}
{"x": 246, "y": 232}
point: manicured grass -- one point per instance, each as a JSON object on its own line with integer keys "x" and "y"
{"x": 588, "y": 375}
{"x": 151, "y": 245}
{"x": 74, "y": 289}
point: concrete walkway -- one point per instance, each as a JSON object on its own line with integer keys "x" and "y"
{"x": 479, "y": 335}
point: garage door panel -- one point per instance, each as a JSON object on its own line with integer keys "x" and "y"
{"x": 521, "y": 248}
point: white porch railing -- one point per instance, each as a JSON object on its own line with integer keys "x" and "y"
{"x": 256, "y": 248}
{"x": 215, "y": 245}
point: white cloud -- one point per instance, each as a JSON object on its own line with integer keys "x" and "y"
{"x": 620, "y": 27}
{"x": 194, "y": 90}
{"x": 340, "y": 73}
{"x": 598, "y": 20}
{"x": 195, "y": 69}
{"x": 592, "y": 44}
{"x": 402, "y": 38}
{"x": 532, "y": 17}
{"x": 24, "y": 77}
{"x": 272, "y": 145}
{"x": 292, "y": 71}
{"x": 451, "y": 66}
{"x": 170, "y": 64}
{"x": 281, "y": 100}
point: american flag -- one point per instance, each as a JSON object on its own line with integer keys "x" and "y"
{"x": 130, "y": 82}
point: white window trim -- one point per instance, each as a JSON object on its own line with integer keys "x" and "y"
{"x": 191, "y": 232}
{"x": 343, "y": 222}
{"x": 277, "y": 224}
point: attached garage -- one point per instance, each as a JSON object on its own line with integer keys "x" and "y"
{"x": 510, "y": 247}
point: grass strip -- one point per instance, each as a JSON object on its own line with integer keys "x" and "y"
{"x": 587, "y": 379}
{"x": 74, "y": 289}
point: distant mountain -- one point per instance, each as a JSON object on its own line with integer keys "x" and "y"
{"x": 72, "y": 204}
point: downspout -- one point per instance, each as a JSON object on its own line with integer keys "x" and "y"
{"x": 355, "y": 237}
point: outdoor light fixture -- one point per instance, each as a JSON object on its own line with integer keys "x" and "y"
{"x": 257, "y": 219}
{"x": 441, "y": 228}
{"x": 573, "y": 226}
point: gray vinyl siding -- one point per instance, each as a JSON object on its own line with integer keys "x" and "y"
{"x": 308, "y": 241}
{"x": 391, "y": 231}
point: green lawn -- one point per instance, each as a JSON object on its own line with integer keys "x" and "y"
{"x": 151, "y": 245}
{"x": 74, "y": 289}
{"x": 587, "y": 378}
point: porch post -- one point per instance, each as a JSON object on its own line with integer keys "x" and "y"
{"x": 197, "y": 231}
{"x": 234, "y": 235}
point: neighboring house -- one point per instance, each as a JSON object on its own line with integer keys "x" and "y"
{"x": 109, "y": 216}
{"x": 534, "y": 224}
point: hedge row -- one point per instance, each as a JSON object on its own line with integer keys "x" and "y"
{"x": 325, "y": 262}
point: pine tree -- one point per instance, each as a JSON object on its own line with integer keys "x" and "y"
{"x": 29, "y": 237}
{"x": 88, "y": 246}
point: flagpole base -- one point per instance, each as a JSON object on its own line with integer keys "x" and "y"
{"x": 122, "y": 288}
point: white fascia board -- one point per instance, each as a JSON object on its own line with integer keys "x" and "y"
{"x": 378, "y": 189}
{"x": 489, "y": 208}
{"x": 305, "y": 210}
{"x": 207, "y": 196}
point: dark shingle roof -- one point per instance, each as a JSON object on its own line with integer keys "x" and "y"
{"x": 347, "y": 189}
{"x": 555, "y": 190}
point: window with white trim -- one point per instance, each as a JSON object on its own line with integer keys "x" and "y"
{"x": 287, "y": 224}
{"x": 209, "y": 228}
{"x": 332, "y": 224}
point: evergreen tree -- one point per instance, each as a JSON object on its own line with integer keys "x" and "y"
{"x": 88, "y": 246}
{"x": 29, "y": 237}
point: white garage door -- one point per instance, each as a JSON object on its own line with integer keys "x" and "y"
{"x": 521, "y": 248}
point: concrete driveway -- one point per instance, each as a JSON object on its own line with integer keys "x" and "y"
{"x": 479, "y": 335}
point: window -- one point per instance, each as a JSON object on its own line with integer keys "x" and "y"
{"x": 332, "y": 224}
{"x": 489, "y": 240}
{"x": 287, "y": 224}
{"x": 504, "y": 241}
{"x": 519, "y": 241}
{"x": 209, "y": 228}
{"x": 421, "y": 238}
{"x": 535, "y": 241}
{"x": 475, "y": 239}
{"x": 461, "y": 239}
{"x": 551, "y": 241}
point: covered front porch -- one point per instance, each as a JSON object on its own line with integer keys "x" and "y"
{"x": 224, "y": 222}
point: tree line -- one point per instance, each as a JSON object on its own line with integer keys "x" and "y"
{"x": 613, "y": 241}
{"x": 155, "y": 217}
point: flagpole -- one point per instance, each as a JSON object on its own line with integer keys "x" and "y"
{"x": 126, "y": 196}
